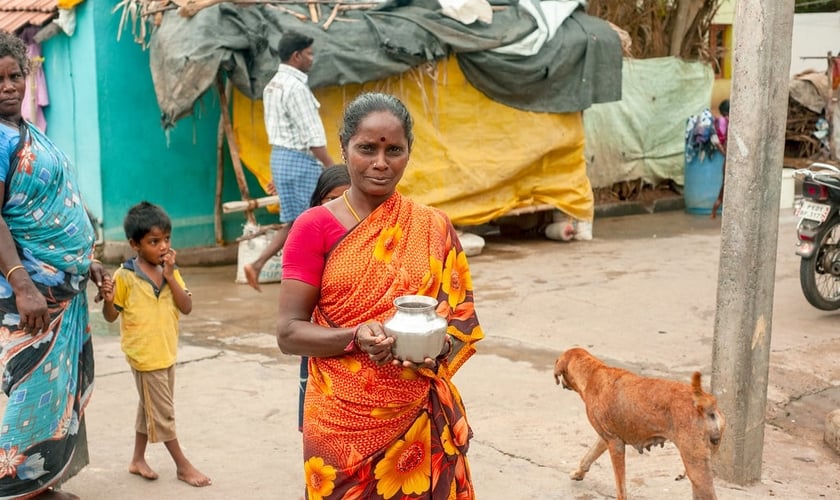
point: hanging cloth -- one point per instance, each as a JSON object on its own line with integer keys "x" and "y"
{"x": 36, "y": 97}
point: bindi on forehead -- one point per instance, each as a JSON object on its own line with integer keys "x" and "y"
{"x": 381, "y": 139}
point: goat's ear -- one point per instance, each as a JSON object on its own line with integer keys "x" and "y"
{"x": 696, "y": 387}
{"x": 559, "y": 369}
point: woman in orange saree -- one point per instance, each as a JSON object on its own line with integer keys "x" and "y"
{"x": 375, "y": 427}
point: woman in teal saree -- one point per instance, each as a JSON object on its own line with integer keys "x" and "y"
{"x": 46, "y": 259}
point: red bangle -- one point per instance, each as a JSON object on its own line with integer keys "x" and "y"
{"x": 356, "y": 337}
{"x": 354, "y": 342}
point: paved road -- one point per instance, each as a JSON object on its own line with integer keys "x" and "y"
{"x": 640, "y": 295}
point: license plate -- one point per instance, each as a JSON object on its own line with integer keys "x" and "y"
{"x": 813, "y": 211}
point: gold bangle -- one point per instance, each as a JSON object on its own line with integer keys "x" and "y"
{"x": 97, "y": 261}
{"x": 13, "y": 269}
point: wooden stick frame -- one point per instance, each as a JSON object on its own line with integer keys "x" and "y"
{"x": 233, "y": 147}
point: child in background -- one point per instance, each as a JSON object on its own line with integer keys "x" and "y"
{"x": 149, "y": 293}
{"x": 332, "y": 183}
{"x": 719, "y": 140}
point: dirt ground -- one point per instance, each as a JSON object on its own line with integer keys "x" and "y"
{"x": 640, "y": 295}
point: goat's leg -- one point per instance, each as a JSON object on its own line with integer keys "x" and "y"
{"x": 616, "y": 448}
{"x": 595, "y": 451}
{"x": 698, "y": 468}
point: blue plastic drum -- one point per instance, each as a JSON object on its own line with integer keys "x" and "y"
{"x": 703, "y": 178}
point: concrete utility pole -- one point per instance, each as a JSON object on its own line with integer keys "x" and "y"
{"x": 755, "y": 149}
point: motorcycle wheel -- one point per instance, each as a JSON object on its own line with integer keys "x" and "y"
{"x": 820, "y": 287}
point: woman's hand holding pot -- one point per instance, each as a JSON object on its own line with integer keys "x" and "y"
{"x": 370, "y": 338}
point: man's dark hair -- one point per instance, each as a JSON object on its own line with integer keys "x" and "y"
{"x": 292, "y": 42}
{"x": 142, "y": 217}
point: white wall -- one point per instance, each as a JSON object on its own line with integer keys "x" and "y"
{"x": 725, "y": 13}
{"x": 814, "y": 35}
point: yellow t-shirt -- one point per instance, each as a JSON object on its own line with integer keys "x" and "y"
{"x": 149, "y": 324}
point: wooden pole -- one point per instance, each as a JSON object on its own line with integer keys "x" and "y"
{"x": 241, "y": 206}
{"x": 234, "y": 149}
{"x": 220, "y": 175}
{"x": 331, "y": 18}
{"x": 313, "y": 11}
{"x": 831, "y": 112}
{"x": 749, "y": 232}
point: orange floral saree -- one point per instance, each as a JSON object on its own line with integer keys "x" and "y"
{"x": 374, "y": 432}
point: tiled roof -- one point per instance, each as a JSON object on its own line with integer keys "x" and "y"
{"x": 15, "y": 14}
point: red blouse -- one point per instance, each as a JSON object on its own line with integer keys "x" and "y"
{"x": 311, "y": 238}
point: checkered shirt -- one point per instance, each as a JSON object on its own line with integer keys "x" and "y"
{"x": 291, "y": 111}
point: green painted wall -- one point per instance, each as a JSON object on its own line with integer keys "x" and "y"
{"x": 70, "y": 68}
{"x": 104, "y": 113}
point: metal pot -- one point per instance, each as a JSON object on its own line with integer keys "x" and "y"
{"x": 419, "y": 331}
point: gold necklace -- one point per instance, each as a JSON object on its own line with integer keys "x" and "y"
{"x": 350, "y": 207}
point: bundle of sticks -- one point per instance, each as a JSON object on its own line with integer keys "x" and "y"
{"x": 189, "y": 8}
{"x": 799, "y": 132}
{"x": 338, "y": 7}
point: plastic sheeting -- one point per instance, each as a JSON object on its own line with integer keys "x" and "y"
{"x": 579, "y": 65}
{"x": 642, "y": 136}
{"x": 472, "y": 157}
{"x": 810, "y": 89}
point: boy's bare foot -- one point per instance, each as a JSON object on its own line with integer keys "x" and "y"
{"x": 51, "y": 494}
{"x": 142, "y": 469}
{"x": 252, "y": 275}
{"x": 193, "y": 477}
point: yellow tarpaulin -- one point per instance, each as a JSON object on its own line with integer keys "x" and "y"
{"x": 68, "y": 4}
{"x": 473, "y": 158}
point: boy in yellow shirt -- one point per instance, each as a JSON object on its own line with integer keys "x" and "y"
{"x": 149, "y": 293}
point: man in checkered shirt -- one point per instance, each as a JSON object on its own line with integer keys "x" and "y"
{"x": 297, "y": 138}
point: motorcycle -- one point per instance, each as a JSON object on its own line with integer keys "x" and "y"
{"x": 818, "y": 235}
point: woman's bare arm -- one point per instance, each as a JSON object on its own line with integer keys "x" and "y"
{"x": 296, "y": 334}
{"x": 31, "y": 304}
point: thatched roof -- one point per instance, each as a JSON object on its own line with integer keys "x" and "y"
{"x": 16, "y": 14}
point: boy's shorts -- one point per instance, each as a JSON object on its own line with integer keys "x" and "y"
{"x": 295, "y": 175}
{"x": 156, "y": 410}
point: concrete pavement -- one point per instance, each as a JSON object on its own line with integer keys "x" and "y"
{"x": 640, "y": 295}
